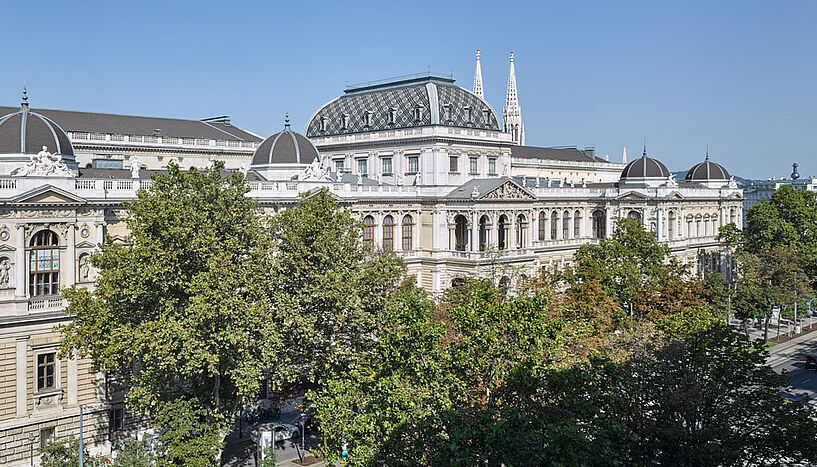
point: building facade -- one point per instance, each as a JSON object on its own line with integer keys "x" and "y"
{"x": 428, "y": 167}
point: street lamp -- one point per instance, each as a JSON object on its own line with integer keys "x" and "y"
{"x": 31, "y": 448}
{"x": 302, "y": 438}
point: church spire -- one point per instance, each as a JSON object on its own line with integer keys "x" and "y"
{"x": 512, "y": 114}
{"x": 478, "y": 79}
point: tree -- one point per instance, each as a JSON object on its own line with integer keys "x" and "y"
{"x": 135, "y": 453}
{"x": 787, "y": 220}
{"x": 65, "y": 453}
{"x": 182, "y": 310}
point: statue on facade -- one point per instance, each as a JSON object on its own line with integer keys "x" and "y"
{"x": 5, "y": 267}
{"x": 244, "y": 168}
{"x": 316, "y": 171}
{"x": 399, "y": 178}
{"x": 44, "y": 164}
{"x": 134, "y": 167}
{"x": 84, "y": 268}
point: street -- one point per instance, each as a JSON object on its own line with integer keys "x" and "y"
{"x": 789, "y": 356}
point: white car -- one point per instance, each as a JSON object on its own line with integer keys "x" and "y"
{"x": 280, "y": 431}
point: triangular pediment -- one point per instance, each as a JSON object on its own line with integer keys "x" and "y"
{"x": 86, "y": 244}
{"x": 632, "y": 196}
{"x": 737, "y": 196}
{"x": 4, "y": 248}
{"x": 674, "y": 196}
{"x": 49, "y": 195}
{"x": 510, "y": 190}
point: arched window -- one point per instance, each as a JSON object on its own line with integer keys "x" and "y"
{"x": 408, "y": 231}
{"x": 690, "y": 231}
{"x": 671, "y": 225}
{"x": 554, "y": 224}
{"x": 542, "y": 225}
{"x": 698, "y": 230}
{"x": 460, "y": 233}
{"x": 368, "y": 232}
{"x": 577, "y": 224}
{"x": 521, "y": 227}
{"x": 483, "y": 233}
{"x": 388, "y": 233}
{"x": 503, "y": 232}
{"x": 731, "y": 215}
{"x": 599, "y": 224}
{"x": 44, "y": 264}
{"x": 634, "y": 215}
{"x": 566, "y": 225}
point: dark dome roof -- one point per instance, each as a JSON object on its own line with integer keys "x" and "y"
{"x": 26, "y": 132}
{"x": 285, "y": 147}
{"x": 391, "y": 104}
{"x": 707, "y": 170}
{"x": 645, "y": 167}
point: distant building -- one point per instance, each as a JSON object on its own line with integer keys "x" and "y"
{"x": 758, "y": 190}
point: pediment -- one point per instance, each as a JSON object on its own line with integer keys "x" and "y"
{"x": 86, "y": 244}
{"x": 510, "y": 190}
{"x": 632, "y": 196}
{"x": 49, "y": 195}
{"x": 6, "y": 248}
{"x": 737, "y": 196}
{"x": 674, "y": 196}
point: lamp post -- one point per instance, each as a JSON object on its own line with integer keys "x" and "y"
{"x": 81, "y": 441}
{"x": 31, "y": 448}
{"x": 303, "y": 437}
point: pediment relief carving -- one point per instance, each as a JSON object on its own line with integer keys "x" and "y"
{"x": 508, "y": 190}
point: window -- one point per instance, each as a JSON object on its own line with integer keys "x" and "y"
{"x": 386, "y": 162}
{"x": 460, "y": 233}
{"x": 671, "y": 227}
{"x": 449, "y": 112}
{"x": 474, "y": 165}
{"x": 566, "y": 225}
{"x": 542, "y": 226}
{"x": 418, "y": 113}
{"x": 453, "y": 164}
{"x": 469, "y": 115}
{"x": 344, "y": 122}
{"x": 46, "y": 369}
{"x": 503, "y": 232}
{"x": 44, "y": 264}
{"x": 368, "y": 233}
{"x": 408, "y": 231}
{"x": 577, "y": 222}
{"x": 367, "y": 119}
{"x": 521, "y": 227}
{"x": 391, "y": 118}
{"x": 634, "y": 215}
{"x": 554, "y": 225}
{"x": 46, "y": 436}
{"x": 599, "y": 224}
{"x": 117, "y": 419}
{"x": 483, "y": 233}
{"x": 492, "y": 166}
{"x": 413, "y": 164}
{"x": 486, "y": 116}
{"x": 362, "y": 167}
{"x": 323, "y": 123}
{"x": 388, "y": 233}
{"x": 339, "y": 166}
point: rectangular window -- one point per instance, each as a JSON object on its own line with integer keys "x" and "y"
{"x": 339, "y": 166}
{"x": 474, "y": 161}
{"x": 46, "y": 436}
{"x": 386, "y": 165}
{"x": 413, "y": 164}
{"x": 362, "y": 167}
{"x": 492, "y": 166}
{"x": 118, "y": 419}
{"x": 46, "y": 369}
{"x": 453, "y": 164}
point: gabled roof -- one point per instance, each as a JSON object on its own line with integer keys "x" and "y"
{"x": 93, "y": 122}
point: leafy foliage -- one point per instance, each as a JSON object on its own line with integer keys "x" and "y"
{"x": 65, "y": 453}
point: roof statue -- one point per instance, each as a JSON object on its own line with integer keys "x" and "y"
{"x": 478, "y": 79}
{"x": 624, "y": 155}
{"x": 44, "y": 164}
{"x": 134, "y": 167}
{"x": 512, "y": 113}
{"x": 316, "y": 171}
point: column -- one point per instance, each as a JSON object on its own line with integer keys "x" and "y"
{"x": 474, "y": 231}
{"x": 608, "y": 221}
{"x": 71, "y": 260}
{"x": 72, "y": 381}
{"x": 22, "y": 375}
{"x": 659, "y": 224}
{"x": 20, "y": 262}
{"x": 510, "y": 240}
{"x": 100, "y": 232}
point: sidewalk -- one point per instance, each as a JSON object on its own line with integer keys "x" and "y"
{"x": 808, "y": 326}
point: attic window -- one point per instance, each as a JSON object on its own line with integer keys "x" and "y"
{"x": 367, "y": 119}
{"x": 449, "y": 112}
{"x": 323, "y": 123}
{"x": 486, "y": 116}
{"x": 344, "y": 122}
{"x": 391, "y": 116}
{"x": 418, "y": 113}
{"x": 469, "y": 114}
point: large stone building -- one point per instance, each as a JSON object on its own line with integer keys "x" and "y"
{"x": 428, "y": 166}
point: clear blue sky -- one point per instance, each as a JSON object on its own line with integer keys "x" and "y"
{"x": 737, "y": 75}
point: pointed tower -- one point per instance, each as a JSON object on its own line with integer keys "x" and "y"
{"x": 624, "y": 155}
{"x": 478, "y": 80}
{"x": 512, "y": 114}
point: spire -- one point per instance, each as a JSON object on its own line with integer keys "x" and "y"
{"x": 478, "y": 79}
{"x": 624, "y": 155}
{"x": 512, "y": 114}
{"x": 644, "y": 154}
{"x": 707, "y": 152}
{"x": 24, "y": 103}
{"x": 286, "y": 122}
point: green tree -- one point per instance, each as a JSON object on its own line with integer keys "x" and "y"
{"x": 135, "y": 453}
{"x": 65, "y": 453}
{"x": 182, "y": 310}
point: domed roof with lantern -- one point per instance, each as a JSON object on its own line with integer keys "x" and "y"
{"x": 707, "y": 170}
{"x": 28, "y": 132}
{"x": 645, "y": 168}
{"x": 285, "y": 147}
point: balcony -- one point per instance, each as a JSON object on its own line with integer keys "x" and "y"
{"x": 39, "y": 305}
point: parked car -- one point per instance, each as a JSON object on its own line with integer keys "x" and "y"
{"x": 810, "y": 362}
{"x": 280, "y": 431}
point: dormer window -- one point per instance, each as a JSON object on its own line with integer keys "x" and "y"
{"x": 418, "y": 113}
{"x": 344, "y": 122}
{"x": 449, "y": 112}
{"x": 392, "y": 113}
{"x": 323, "y": 123}
{"x": 486, "y": 116}
{"x": 469, "y": 114}
{"x": 367, "y": 119}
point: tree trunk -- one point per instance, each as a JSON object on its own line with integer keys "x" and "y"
{"x": 766, "y": 330}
